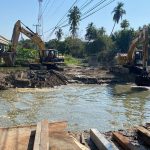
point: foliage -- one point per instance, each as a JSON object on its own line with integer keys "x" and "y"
{"x": 91, "y": 32}
{"x": 52, "y": 44}
{"x": 124, "y": 24}
{"x": 69, "y": 60}
{"x": 74, "y": 18}
{"x": 75, "y": 47}
{"x": 102, "y": 43}
{"x": 118, "y": 13}
{"x": 123, "y": 39}
{"x": 59, "y": 34}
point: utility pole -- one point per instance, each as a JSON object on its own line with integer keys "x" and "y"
{"x": 36, "y": 28}
{"x": 39, "y": 25}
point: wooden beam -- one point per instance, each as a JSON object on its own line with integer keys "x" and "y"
{"x": 80, "y": 146}
{"x": 42, "y": 136}
{"x": 57, "y": 126}
{"x": 100, "y": 141}
{"x": 144, "y": 135}
{"x": 123, "y": 141}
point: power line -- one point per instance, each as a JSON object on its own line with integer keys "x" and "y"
{"x": 54, "y": 12}
{"x": 87, "y": 13}
{"x": 84, "y": 6}
{"x": 91, "y": 13}
{"x": 62, "y": 18}
{"x": 98, "y": 9}
{"x": 95, "y": 6}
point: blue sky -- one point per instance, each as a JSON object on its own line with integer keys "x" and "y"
{"x": 137, "y": 13}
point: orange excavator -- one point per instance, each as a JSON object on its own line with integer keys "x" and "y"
{"x": 47, "y": 57}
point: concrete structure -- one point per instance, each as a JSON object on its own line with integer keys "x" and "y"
{"x": 3, "y": 43}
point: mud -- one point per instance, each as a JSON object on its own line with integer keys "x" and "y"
{"x": 51, "y": 78}
{"x": 31, "y": 79}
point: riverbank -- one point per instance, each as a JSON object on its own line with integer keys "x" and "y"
{"x": 54, "y": 136}
{"x": 50, "y": 78}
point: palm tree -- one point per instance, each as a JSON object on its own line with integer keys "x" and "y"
{"x": 59, "y": 34}
{"x": 91, "y": 32}
{"x": 74, "y": 18}
{"x": 125, "y": 24}
{"x": 118, "y": 13}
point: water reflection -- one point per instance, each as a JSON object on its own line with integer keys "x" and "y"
{"x": 83, "y": 106}
{"x": 131, "y": 104}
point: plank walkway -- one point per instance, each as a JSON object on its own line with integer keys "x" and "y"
{"x": 44, "y": 136}
{"x": 53, "y": 136}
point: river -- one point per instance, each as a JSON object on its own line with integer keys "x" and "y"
{"x": 105, "y": 107}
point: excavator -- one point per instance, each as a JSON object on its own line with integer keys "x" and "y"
{"x": 48, "y": 58}
{"x": 136, "y": 60}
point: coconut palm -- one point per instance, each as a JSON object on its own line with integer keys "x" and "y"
{"x": 118, "y": 13}
{"x": 74, "y": 18}
{"x": 59, "y": 34}
{"x": 91, "y": 32}
{"x": 125, "y": 24}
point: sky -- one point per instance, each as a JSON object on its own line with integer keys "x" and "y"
{"x": 137, "y": 13}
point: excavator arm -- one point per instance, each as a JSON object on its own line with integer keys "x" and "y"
{"x": 29, "y": 33}
{"x": 142, "y": 38}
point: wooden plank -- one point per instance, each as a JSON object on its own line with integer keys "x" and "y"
{"x": 82, "y": 139}
{"x": 144, "y": 135}
{"x": 123, "y": 141}
{"x": 42, "y": 136}
{"x": 57, "y": 126}
{"x": 82, "y": 147}
{"x": 15, "y": 138}
{"x": 100, "y": 141}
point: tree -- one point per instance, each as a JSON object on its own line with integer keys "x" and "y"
{"x": 74, "y": 18}
{"x": 118, "y": 13}
{"x": 101, "y": 31}
{"x": 125, "y": 24}
{"x": 91, "y": 32}
{"x": 123, "y": 39}
{"x": 59, "y": 34}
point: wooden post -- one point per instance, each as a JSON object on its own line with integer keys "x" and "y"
{"x": 144, "y": 135}
{"x": 123, "y": 141}
{"x": 42, "y": 136}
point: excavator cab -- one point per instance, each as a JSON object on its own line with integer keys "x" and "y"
{"x": 138, "y": 60}
{"x": 52, "y": 55}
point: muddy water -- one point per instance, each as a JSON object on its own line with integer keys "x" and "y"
{"x": 84, "y": 106}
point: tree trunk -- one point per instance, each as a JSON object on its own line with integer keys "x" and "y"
{"x": 113, "y": 28}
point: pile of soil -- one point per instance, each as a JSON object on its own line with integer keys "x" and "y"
{"x": 4, "y": 81}
{"x": 31, "y": 79}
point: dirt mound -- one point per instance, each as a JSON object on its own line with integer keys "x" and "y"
{"x": 49, "y": 78}
{"x": 32, "y": 79}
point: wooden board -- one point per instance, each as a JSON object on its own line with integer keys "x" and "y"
{"x": 144, "y": 135}
{"x": 41, "y": 141}
{"x": 22, "y": 137}
{"x": 16, "y": 138}
{"x": 123, "y": 141}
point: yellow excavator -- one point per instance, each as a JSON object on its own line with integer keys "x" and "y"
{"x": 48, "y": 58}
{"x": 136, "y": 59}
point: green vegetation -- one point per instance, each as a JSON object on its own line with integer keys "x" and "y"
{"x": 69, "y": 60}
{"x": 96, "y": 43}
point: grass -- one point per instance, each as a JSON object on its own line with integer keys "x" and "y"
{"x": 69, "y": 60}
